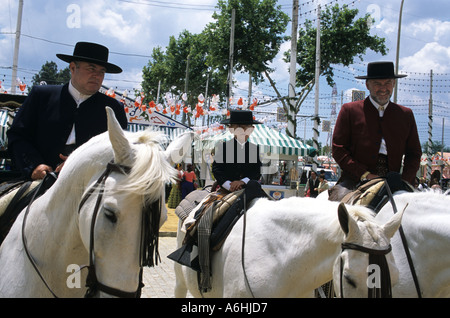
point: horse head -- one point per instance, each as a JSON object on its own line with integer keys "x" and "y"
{"x": 123, "y": 208}
{"x": 365, "y": 266}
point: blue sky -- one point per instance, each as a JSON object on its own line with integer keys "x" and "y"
{"x": 131, "y": 29}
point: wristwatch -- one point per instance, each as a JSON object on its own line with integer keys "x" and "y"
{"x": 364, "y": 176}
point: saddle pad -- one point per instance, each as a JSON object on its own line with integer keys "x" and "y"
{"x": 189, "y": 203}
{"x": 221, "y": 202}
{"x": 6, "y": 199}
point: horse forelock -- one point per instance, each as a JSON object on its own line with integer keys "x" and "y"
{"x": 366, "y": 218}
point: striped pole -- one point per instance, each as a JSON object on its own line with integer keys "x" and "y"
{"x": 430, "y": 127}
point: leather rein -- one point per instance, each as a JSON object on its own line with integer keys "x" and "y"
{"x": 149, "y": 238}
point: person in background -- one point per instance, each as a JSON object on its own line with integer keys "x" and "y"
{"x": 312, "y": 184}
{"x": 187, "y": 184}
{"x": 175, "y": 193}
{"x": 323, "y": 184}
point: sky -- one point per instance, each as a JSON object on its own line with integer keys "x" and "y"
{"x": 132, "y": 28}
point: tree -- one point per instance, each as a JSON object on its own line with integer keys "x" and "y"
{"x": 155, "y": 73}
{"x": 259, "y": 29}
{"x": 50, "y": 75}
{"x": 436, "y": 146}
{"x": 170, "y": 67}
{"x": 342, "y": 39}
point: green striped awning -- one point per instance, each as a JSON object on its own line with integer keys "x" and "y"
{"x": 269, "y": 140}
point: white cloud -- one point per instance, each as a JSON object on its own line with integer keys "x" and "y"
{"x": 430, "y": 29}
{"x": 433, "y": 56}
{"x": 123, "y": 23}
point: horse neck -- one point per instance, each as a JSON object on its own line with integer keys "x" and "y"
{"x": 52, "y": 229}
{"x": 308, "y": 237}
{"x": 425, "y": 224}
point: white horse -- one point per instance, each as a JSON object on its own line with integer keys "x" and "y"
{"x": 100, "y": 212}
{"x": 289, "y": 249}
{"x": 291, "y": 246}
{"x": 426, "y": 225}
{"x": 365, "y": 266}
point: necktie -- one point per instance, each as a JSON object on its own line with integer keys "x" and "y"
{"x": 381, "y": 108}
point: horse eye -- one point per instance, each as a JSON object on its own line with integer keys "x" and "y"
{"x": 110, "y": 214}
{"x": 350, "y": 281}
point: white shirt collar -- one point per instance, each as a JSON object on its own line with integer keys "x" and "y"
{"x": 239, "y": 143}
{"x": 377, "y": 106}
{"x": 77, "y": 96}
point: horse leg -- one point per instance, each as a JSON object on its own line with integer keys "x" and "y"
{"x": 180, "y": 283}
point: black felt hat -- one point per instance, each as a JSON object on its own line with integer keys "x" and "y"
{"x": 92, "y": 53}
{"x": 240, "y": 117}
{"x": 380, "y": 70}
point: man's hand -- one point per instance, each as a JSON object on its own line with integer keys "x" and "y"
{"x": 63, "y": 158}
{"x": 40, "y": 172}
{"x": 236, "y": 185}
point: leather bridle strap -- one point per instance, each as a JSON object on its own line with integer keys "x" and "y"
{"x": 92, "y": 283}
{"x": 378, "y": 257}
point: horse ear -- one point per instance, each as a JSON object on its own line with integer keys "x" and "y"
{"x": 120, "y": 144}
{"x": 179, "y": 148}
{"x": 393, "y": 224}
{"x": 347, "y": 223}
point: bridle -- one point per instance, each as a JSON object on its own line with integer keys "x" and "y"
{"x": 148, "y": 255}
{"x": 377, "y": 257}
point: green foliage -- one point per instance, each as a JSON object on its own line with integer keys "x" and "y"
{"x": 258, "y": 35}
{"x": 170, "y": 66}
{"x": 342, "y": 39}
{"x": 49, "y": 73}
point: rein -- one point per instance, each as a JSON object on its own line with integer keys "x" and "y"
{"x": 377, "y": 257}
{"x": 405, "y": 244}
{"x": 149, "y": 238}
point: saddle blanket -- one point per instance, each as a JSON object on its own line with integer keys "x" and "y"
{"x": 7, "y": 198}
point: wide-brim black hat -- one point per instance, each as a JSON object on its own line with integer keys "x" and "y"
{"x": 380, "y": 70}
{"x": 91, "y": 53}
{"x": 240, "y": 117}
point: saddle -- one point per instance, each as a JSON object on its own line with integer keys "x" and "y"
{"x": 16, "y": 195}
{"x": 201, "y": 220}
{"x": 373, "y": 193}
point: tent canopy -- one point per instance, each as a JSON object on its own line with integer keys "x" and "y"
{"x": 269, "y": 140}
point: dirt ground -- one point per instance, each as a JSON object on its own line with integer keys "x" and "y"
{"x": 171, "y": 224}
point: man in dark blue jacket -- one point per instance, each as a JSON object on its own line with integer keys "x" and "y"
{"x": 237, "y": 160}
{"x": 54, "y": 120}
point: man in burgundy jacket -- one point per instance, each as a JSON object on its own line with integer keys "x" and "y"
{"x": 375, "y": 136}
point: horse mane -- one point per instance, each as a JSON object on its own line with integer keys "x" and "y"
{"x": 150, "y": 170}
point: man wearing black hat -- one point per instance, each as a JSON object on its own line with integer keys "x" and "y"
{"x": 54, "y": 120}
{"x": 375, "y": 136}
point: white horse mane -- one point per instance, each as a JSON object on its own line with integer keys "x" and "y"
{"x": 150, "y": 170}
